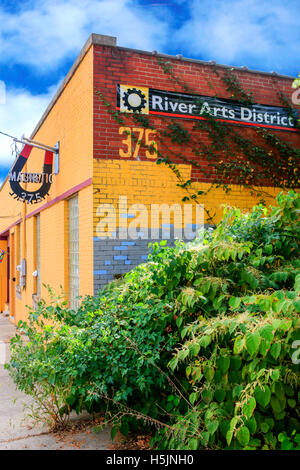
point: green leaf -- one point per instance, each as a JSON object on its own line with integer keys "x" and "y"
{"x": 183, "y": 354}
{"x": 264, "y": 346}
{"x": 251, "y": 425}
{"x": 287, "y": 445}
{"x": 265, "y": 303}
{"x": 193, "y": 397}
{"x": 267, "y": 332}
{"x": 296, "y": 304}
{"x": 220, "y": 395}
{"x": 275, "y": 374}
{"x": 277, "y": 405}
{"x": 264, "y": 427}
{"x": 204, "y": 341}
{"x": 113, "y": 432}
{"x": 276, "y": 324}
{"x": 233, "y": 423}
{"x": 212, "y": 427}
{"x": 194, "y": 349}
{"x": 243, "y": 436}
{"x": 204, "y": 438}
{"x": 238, "y": 345}
{"x": 235, "y": 363}
{"x": 275, "y": 350}
{"x": 249, "y": 407}
{"x": 124, "y": 429}
{"x": 173, "y": 363}
{"x": 297, "y": 283}
{"x": 234, "y": 302}
{"x": 176, "y": 401}
{"x": 269, "y": 249}
{"x": 207, "y": 395}
{"x": 193, "y": 444}
{"x": 252, "y": 343}
{"x": 184, "y": 332}
{"x": 237, "y": 391}
{"x": 197, "y": 374}
{"x": 188, "y": 371}
{"x": 223, "y": 364}
{"x": 285, "y": 325}
{"x": 229, "y": 436}
{"x": 292, "y": 403}
{"x": 209, "y": 373}
{"x": 262, "y": 395}
{"x": 249, "y": 277}
{"x": 282, "y": 436}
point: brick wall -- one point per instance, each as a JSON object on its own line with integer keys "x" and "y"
{"x": 140, "y": 178}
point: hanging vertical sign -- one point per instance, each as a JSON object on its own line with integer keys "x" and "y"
{"x": 44, "y": 179}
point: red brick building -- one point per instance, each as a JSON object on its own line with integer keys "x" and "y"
{"x": 107, "y": 158}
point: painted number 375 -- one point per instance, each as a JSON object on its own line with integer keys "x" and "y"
{"x": 135, "y": 137}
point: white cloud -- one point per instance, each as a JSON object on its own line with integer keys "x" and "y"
{"x": 257, "y": 33}
{"x": 44, "y": 33}
{"x": 18, "y": 116}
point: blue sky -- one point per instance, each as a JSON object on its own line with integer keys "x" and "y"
{"x": 40, "y": 39}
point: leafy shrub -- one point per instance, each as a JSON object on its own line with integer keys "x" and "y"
{"x": 199, "y": 340}
{"x": 74, "y": 360}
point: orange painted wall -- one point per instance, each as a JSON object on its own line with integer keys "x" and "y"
{"x": 3, "y": 276}
{"x": 70, "y": 122}
{"x": 85, "y": 200}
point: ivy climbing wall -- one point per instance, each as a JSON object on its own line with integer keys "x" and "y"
{"x": 214, "y": 163}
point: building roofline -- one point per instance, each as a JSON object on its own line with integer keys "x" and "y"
{"x": 111, "y": 41}
{"x": 179, "y": 57}
{"x": 102, "y": 40}
{"x": 93, "y": 39}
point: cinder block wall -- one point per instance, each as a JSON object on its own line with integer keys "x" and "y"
{"x": 114, "y": 258}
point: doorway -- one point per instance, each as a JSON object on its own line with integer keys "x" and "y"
{"x": 12, "y": 278}
{"x": 3, "y": 274}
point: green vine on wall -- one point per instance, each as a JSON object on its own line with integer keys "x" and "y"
{"x": 232, "y": 157}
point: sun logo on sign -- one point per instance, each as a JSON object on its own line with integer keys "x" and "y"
{"x": 134, "y": 99}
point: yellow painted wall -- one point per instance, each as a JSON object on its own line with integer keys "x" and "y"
{"x": 148, "y": 183}
{"x": 70, "y": 122}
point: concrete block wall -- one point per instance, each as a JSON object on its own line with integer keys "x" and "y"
{"x": 114, "y": 257}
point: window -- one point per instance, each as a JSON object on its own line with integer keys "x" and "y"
{"x": 38, "y": 254}
{"x": 73, "y": 238}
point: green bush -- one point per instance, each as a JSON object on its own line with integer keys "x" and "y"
{"x": 74, "y": 361}
{"x": 198, "y": 341}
